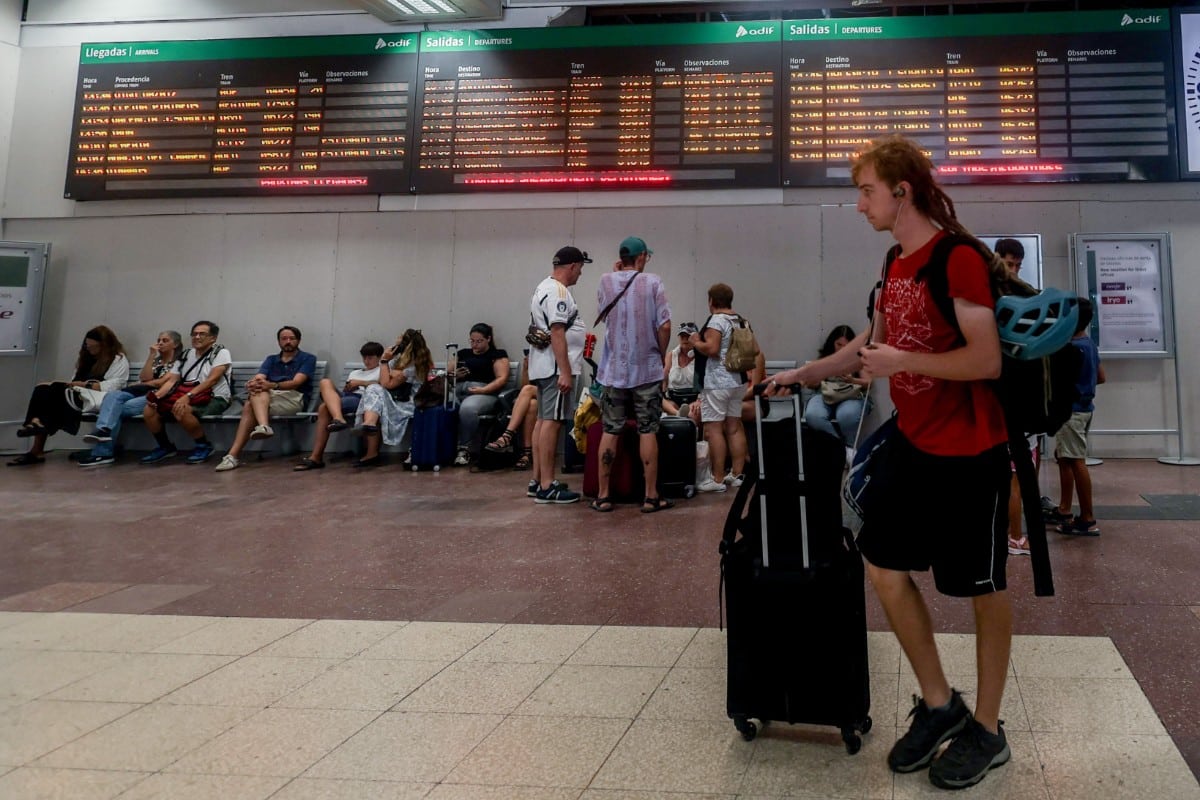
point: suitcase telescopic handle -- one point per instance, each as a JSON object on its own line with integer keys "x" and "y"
{"x": 759, "y": 412}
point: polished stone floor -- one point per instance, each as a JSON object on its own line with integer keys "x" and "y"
{"x": 173, "y": 632}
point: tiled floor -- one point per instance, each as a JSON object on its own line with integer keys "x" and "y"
{"x": 109, "y": 705}
{"x": 177, "y": 633}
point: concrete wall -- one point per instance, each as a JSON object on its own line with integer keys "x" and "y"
{"x": 348, "y": 269}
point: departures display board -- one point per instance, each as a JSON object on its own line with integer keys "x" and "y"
{"x": 302, "y": 115}
{"x": 1015, "y": 98}
{"x": 1019, "y": 97}
{"x": 685, "y": 106}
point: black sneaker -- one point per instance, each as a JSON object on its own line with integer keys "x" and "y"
{"x": 98, "y": 436}
{"x": 532, "y": 489}
{"x": 928, "y": 730}
{"x": 969, "y": 757}
{"x": 95, "y": 461}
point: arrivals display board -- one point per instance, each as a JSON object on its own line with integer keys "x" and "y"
{"x": 682, "y": 106}
{"x": 1015, "y": 97}
{"x": 300, "y": 115}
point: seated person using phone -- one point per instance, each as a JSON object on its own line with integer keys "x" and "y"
{"x": 481, "y": 373}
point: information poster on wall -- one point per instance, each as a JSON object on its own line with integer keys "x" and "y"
{"x": 1128, "y": 280}
{"x": 22, "y": 269}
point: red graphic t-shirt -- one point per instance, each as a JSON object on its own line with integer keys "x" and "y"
{"x": 949, "y": 418}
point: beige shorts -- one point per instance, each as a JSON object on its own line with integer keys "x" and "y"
{"x": 717, "y": 404}
{"x": 1071, "y": 439}
{"x": 286, "y": 402}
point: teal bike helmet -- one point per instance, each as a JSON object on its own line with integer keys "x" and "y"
{"x": 1033, "y": 327}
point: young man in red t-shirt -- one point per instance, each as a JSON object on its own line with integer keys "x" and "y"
{"x": 950, "y": 453}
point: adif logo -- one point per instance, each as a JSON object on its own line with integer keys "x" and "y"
{"x": 380, "y": 43}
{"x": 765, "y": 30}
{"x": 1128, "y": 20}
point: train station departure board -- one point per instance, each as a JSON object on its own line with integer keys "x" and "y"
{"x": 683, "y": 106}
{"x": 302, "y": 115}
{"x": 1013, "y": 97}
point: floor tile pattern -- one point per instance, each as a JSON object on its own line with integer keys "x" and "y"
{"x": 334, "y": 598}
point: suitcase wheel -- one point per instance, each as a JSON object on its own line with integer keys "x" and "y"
{"x": 852, "y": 739}
{"x": 745, "y": 727}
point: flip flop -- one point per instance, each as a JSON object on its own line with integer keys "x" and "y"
{"x": 25, "y": 460}
{"x": 25, "y": 431}
{"x": 653, "y": 504}
{"x": 337, "y": 425}
{"x": 307, "y": 463}
{"x": 364, "y": 463}
{"x": 602, "y": 504}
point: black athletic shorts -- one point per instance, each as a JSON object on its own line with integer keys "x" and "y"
{"x": 948, "y": 513}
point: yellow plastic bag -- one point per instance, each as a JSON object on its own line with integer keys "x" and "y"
{"x": 587, "y": 413}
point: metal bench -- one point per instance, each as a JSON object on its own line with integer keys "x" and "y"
{"x": 243, "y": 371}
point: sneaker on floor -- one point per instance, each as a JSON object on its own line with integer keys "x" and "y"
{"x": 532, "y": 489}
{"x": 711, "y": 486}
{"x": 1080, "y": 527}
{"x": 98, "y": 436}
{"x": 200, "y": 453}
{"x": 1056, "y": 517}
{"x": 462, "y": 459}
{"x": 262, "y": 432}
{"x": 929, "y": 728}
{"x": 159, "y": 454}
{"x": 969, "y": 757}
{"x": 734, "y": 481}
{"x": 95, "y": 461}
{"x": 557, "y": 493}
{"x": 1018, "y": 547}
{"x": 1048, "y": 504}
{"x": 228, "y": 462}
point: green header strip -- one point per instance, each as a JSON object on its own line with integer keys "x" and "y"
{"x": 1064, "y": 22}
{"x": 237, "y": 49}
{"x": 601, "y": 36}
{"x": 686, "y": 33}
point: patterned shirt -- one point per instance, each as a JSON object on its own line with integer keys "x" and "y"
{"x": 631, "y": 356}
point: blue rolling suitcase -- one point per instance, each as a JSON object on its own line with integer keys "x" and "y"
{"x": 435, "y": 431}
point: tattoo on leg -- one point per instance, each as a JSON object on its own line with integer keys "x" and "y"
{"x": 607, "y": 457}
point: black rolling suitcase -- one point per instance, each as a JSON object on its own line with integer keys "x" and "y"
{"x": 793, "y": 587}
{"x": 676, "y": 457}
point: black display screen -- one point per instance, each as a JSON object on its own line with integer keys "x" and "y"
{"x": 1012, "y": 98}
{"x": 311, "y": 115}
{"x": 680, "y": 106}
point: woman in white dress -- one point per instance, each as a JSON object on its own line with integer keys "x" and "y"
{"x": 387, "y": 406}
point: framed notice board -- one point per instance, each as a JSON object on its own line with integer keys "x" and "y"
{"x": 22, "y": 275}
{"x": 1127, "y": 276}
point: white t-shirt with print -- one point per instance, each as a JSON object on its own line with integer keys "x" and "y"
{"x": 187, "y": 370}
{"x": 552, "y": 303}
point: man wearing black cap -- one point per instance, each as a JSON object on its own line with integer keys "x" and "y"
{"x": 553, "y": 367}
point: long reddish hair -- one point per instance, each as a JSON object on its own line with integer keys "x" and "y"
{"x": 89, "y": 367}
